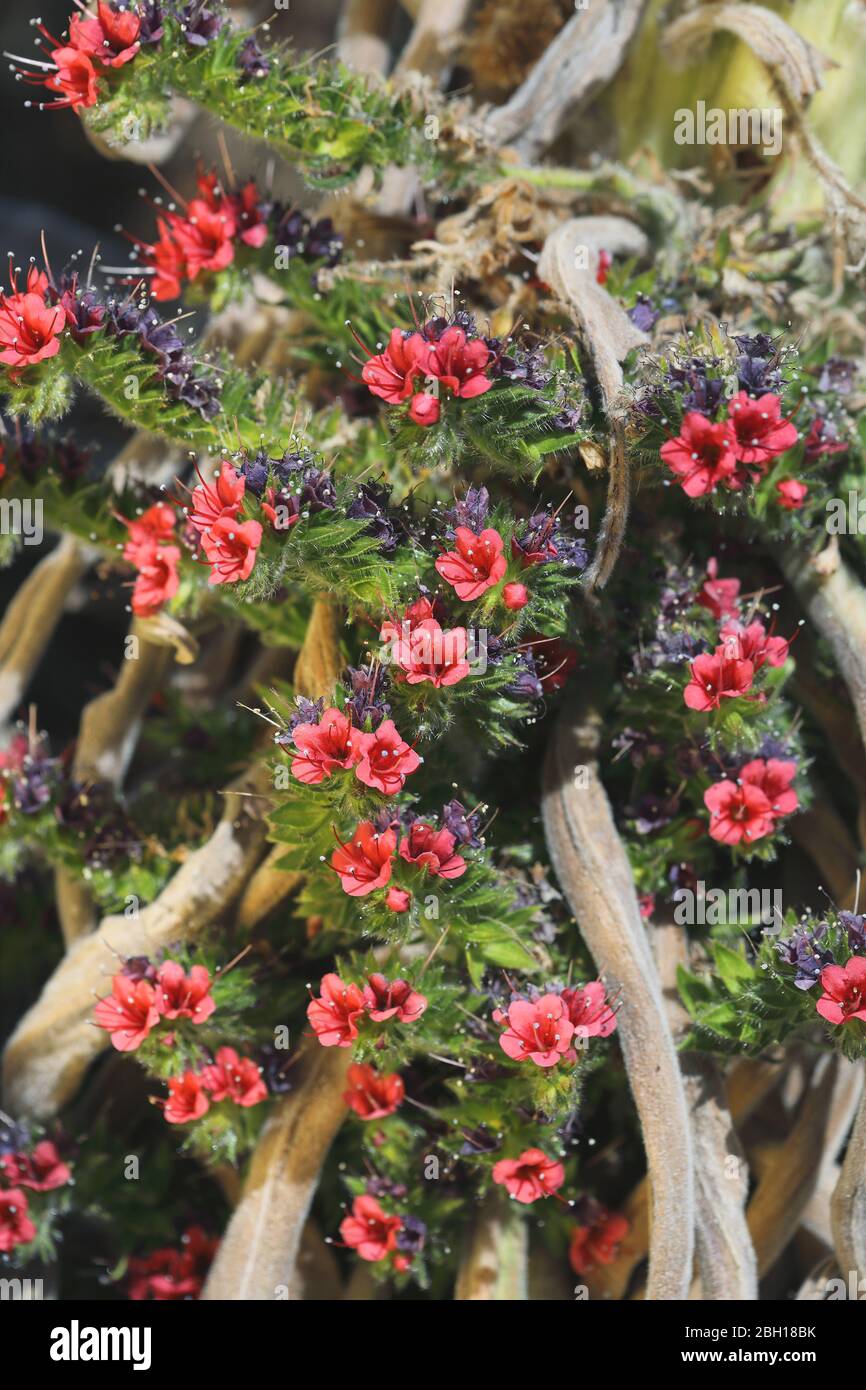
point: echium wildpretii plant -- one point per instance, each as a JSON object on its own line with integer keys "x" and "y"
{"x": 377, "y": 550}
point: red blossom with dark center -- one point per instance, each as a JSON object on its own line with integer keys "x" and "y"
{"x": 364, "y": 862}
{"x": 230, "y": 1077}
{"x": 231, "y": 548}
{"x": 738, "y": 812}
{"x": 111, "y": 38}
{"x": 16, "y": 1228}
{"x": 29, "y": 329}
{"x": 332, "y": 743}
{"x": 597, "y": 1244}
{"x": 844, "y": 994}
{"x": 702, "y": 455}
{"x": 386, "y": 759}
{"x": 384, "y": 999}
{"x": 372, "y": 1095}
{"x": 128, "y": 1013}
{"x": 392, "y": 374}
{"x": 333, "y": 1016}
{"x": 475, "y": 564}
{"x": 167, "y": 259}
{"x": 760, "y": 433}
{"x": 184, "y": 996}
{"x": 459, "y": 364}
{"x": 539, "y": 1030}
{"x": 433, "y": 850}
{"x": 530, "y": 1176}
{"x": 187, "y": 1099}
{"x": 369, "y": 1231}
{"x": 715, "y": 678}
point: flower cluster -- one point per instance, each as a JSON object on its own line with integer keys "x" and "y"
{"x": 423, "y": 367}
{"x": 750, "y": 807}
{"x": 707, "y": 454}
{"x": 155, "y": 560}
{"x": 206, "y": 236}
{"x": 366, "y": 861}
{"x": 142, "y": 997}
{"x": 546, "y": 1029}
{"x": 381, "y": 759}
{"x": 376, "y": 1235}
{"x": 25, "y": 1168}
{"x": 334, "y": 1014}
{"x": 228, "y": 1077}
{"x": 169, "y": 1275}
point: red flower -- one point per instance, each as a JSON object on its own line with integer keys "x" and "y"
{"x": 598, "y": 1243}
{"x": 371, "y": 1095}
{"x": 184, "y": 996}
{"x": 702, "y": 456}
{"x": 459, "y": 364}
{"x": 428, "y": 653}
{"x": 128, "y": 1013}
{"x": 364, "y": 863}
{"x": 391, "y": 374}
{"x": 433, "y": 850}
{"x": 718, "y": 595}
{"x": 425, "y": 409}
{"x": 16, "y": 1228}
{"x": 844, "y": 994}
{"x": 540, "y": 1030}
{"x": 369, "y": 1230}
{"x": 398, "y": 899}
{"x": 715, "y": 678}
{"x": 42, "y": 1170}
{"x": 605, "y": 261}
{"x": 822, "y": 439}
{"x": 157, "y": 580}
{"x": 752, "y": 644}
{"x": 168, "y": 261}
{"x": 75, "y": 79}
{"x": 774, "y": 778}
{"x": 760, "y": 432}
{"x": 738, "y": 812}
{"x": 29, "y": 330}
{"x": 231, "y": 1077}
{"x": 384, "y": 999}
{"x": 515, "y": 597}
{"x": 386, "y": 760}
{"x": 325, "y": 746}
{"x": 111, "y": 38}
{"x": 333, "y": 1015}
{"x": 475, "y": 565}
{"x": 231, "y": 548}
{"x": 589, "y": 1010}
{"x": 249, "y": 215}
{"x": 205, "y": 236}
{"x": 791, "y": 494}
{"x": 173, "y": 1274}
{"x": 211, "y": 501}
{"x": 187, "y": 1100}
{"x": 147, "y": 530}
{"x": 530, "y": 1176}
